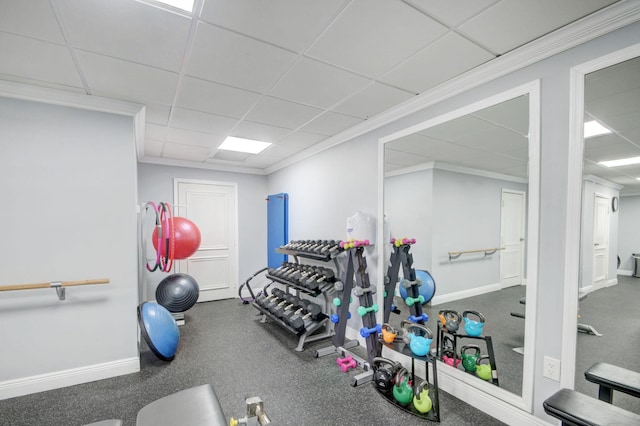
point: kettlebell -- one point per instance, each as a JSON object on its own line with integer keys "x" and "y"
{"x": 420, "y": 344}
{"x": 450, "y": 320}
{"x": 384, "y": 371}
{"x": 388, "y": 333}
{"x": 421, "y": 400}
{"x": 450, "y": 358}
{"x": 483, "y": 370}
{"x": 470, "y": 355}
{"x": 473, "y": 327}
{"x": 402, "y": 391}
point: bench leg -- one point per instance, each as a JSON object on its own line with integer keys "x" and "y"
{"x": 605, "y": 394}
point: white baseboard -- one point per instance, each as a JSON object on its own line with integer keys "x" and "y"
{"x": 64, "y": 378}
{"x": 612, "y": 282}
{"x": 451, "y": 297}
{"x": 625, "y": 272}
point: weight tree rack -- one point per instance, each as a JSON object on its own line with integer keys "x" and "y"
{"x": 401, "y": 257}
{"x": 354, "y": 269}
{"x": 308, "y": 334}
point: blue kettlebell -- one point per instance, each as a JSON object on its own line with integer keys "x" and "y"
{"x": 473, "y": 327}
{"x": 420, "y": 344}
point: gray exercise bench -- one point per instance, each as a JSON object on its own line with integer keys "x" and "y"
{"x": 197, "y": 406}
{"x": 574, "y": 408}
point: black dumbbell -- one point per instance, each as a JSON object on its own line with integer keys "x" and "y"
{"x": 289, "y": 302}
{"x": 306, "y": 317}
{"x": 298, "y": 306}
{"x": 327, "y": 276}
{"x": 276, "y": 297}
{"x": 264, "y": 299}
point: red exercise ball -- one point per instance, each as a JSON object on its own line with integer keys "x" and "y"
{"x": 187, "y": 238}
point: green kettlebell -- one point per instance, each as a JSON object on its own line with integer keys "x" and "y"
{"x": 421, "y": 401}
{"x": 483, "y": 370}
{"x": 470, "y": 355}
{"x": 402, "y": 391}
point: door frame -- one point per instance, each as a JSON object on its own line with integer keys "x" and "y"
{"x": 235, "y": 265}
{"x": 523, "y": 280}
{"x": 603, "y": 282}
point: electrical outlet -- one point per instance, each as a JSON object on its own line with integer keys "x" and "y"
{"x": 551, "y": 368}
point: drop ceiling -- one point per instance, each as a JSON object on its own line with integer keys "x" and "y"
{"x": 290, "y": 72}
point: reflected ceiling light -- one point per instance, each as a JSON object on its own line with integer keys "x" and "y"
{"x": 243, "y": 145}
{"x": 594, "y": 128}
{"x": 178, "y": 4}
{"x": 621, "y": 162}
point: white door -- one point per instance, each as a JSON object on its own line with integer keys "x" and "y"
{"x": 512, "y": 238}
{"x": 600, "y": 240}
{"x": 212, "y": 207}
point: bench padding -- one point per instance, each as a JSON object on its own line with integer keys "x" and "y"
{"x": 614, "y": 377}
{"x": 574, "y": 408}
{"x": 197, "y": 406}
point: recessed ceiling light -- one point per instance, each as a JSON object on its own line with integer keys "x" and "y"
{"x": 621, "y": 162}
{"x": 593, "y": 128}
{"x": 243, "y": 145}
{"x": 178, "y": 4}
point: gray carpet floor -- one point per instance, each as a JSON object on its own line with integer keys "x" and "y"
{"x": 224, "y": 344}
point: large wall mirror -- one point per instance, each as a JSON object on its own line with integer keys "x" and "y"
{"x": 608, "y": 283}
{"x": 465, "y": 185}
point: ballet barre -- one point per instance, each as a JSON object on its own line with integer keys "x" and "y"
{"x": 487, "y": 252}
{"x": 58, "y": 285}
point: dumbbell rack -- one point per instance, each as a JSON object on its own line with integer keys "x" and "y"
{"x": 459, "y": 336}
{"x": 307, "y": 334}
{"x": 354, "y": 269}
{"x": 429, "y": 359}
{"x": 400, "y": 257}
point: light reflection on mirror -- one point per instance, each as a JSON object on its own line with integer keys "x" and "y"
{"x": 462, "y": 186}
{"x": 609, "y": 294}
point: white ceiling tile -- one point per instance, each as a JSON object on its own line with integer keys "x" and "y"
{"x": 127, "y": 30}
{"x": 331, "y": 123}
{"x": 403, "y": 158}
{"x": 516, "y": 22}
{"x": 185, "y": 152}
{"x": 512, "y": 114}
{"x": 115, "y": 78}
{"x": 229, "y": 58}
{"x": 609, "y": 147}
{"x": 215, "y": 98}
{"x": 32, "y": 18}
{"x": 37, "y": 60}
{"x": 452, "y": 13}
{"x": 496, "y": 139}
{"x": 454, "y": 54}
{"x": 612, "y": 80}
{"x": 189, "y": 137}
{"x": 458, "y": 128}
{"x": 280, "y": 113}
{"x": 201, "y": 121}
{"x": 314, "y": 83}
{"x": 282, "y": 150}
{"x": 371, "y": 36}
{"x": 302, "y": 139}
{"x": 156, "y": 132}
{"x": 157, "y": 113}
{"x": 153, "y": 148}
{"x": 373, "y": 100}
{"x": 259, "y": 131}
{"x": 230, "y": 155}
{"x": 617, "y": 104}
{"x": 290, "y": 24}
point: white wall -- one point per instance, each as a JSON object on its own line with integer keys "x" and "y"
{"x": 629, "y": 231}
{"x": 69, "y": 193}
{"x": 155, "y": 183}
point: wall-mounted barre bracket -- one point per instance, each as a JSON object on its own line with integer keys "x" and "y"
{"x": 487, "y": 252}
{"x": 58, "y": 285}
{"x": 60, "y": 291}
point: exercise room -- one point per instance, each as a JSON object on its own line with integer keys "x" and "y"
{"x": 312, "y": 213}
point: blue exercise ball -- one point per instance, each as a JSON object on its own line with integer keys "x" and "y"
{"x": 177, "y": 292}
{"x": 159, "y": 330}
{"x": 426, "y": 290}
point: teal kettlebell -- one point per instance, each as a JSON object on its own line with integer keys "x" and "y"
{"x": 483, "y": 370}
{"x": 473, "y": 327}
{"x": 421, "y": 401}
{"x": 470, "y": 355}
{"x": 420, "y": 344}
{"x": 402, "y": 390}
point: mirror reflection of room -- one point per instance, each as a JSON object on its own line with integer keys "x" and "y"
{"x": 460, "y": 189}
{"x": 609, "y": 290}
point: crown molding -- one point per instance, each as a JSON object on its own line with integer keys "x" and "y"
{"x": 197, "y": 165}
